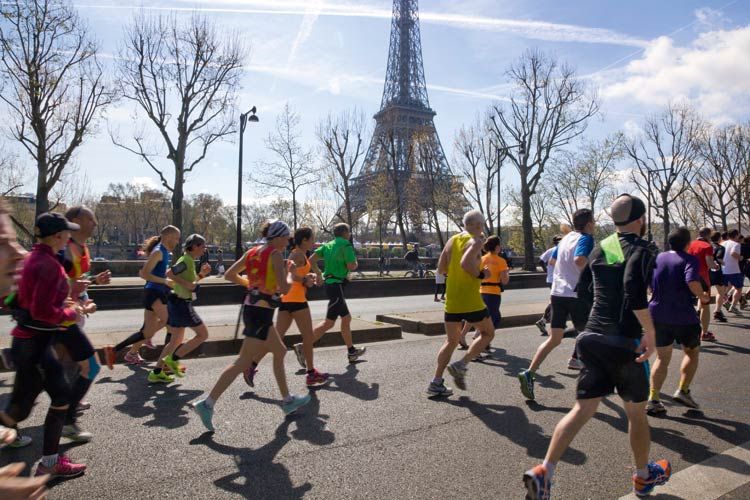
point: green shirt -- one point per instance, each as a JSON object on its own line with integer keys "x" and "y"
{"x": 185, "y": 269}
{"x": 336, "y": 254}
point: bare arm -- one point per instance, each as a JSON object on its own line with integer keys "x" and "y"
{"x": 233, "y": 273}
{"x": 504, "y": 277}
{"x": 277, "y": 261}
{"x": 697, "y": 290}
{"x": 470, "y": 259}
{"x": 648, "y": 342}
{"x": 445, "y": 258}
{"x": 148, "y": 267}
{"x": 581, "y": 262}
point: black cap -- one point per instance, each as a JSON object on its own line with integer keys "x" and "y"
{"x": 626, "y": 209}
{"x": 50, "y": 223}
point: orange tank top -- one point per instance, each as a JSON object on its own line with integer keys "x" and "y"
{"x": 260, "y": 274}
{"x": 298, "y": 291}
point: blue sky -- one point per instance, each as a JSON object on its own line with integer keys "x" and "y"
{"x": 330, "y": 56}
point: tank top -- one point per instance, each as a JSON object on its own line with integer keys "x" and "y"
{"x": 298, "y": 291}
{"x": 260, "y": 275}
{"x": 77, "y": 260}
{"x": 160, "y": 269}
{"x": 462, "y": 290}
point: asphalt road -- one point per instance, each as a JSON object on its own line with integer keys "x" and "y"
{"x": 373, "y": 433}
{"x": 131, "y": 319}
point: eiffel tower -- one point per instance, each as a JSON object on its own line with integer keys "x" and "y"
{"x": 405, "y": 119}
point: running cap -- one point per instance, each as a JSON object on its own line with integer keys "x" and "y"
{"x": 626, "y": 209}
{"x": 277, "y": 229}
{"x": 50, "y": 223}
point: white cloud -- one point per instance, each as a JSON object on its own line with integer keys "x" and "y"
{"x": 146, "y": 182}
{"x": 707, "y": 19}
{"x": 712, "y": 72}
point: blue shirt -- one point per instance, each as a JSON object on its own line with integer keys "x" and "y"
{"x": 672, "y": 301}
{"x": 160, "y": 269}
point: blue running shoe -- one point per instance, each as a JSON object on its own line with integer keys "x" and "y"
{"x": 527, "y": 384}
{"x": 658, "y": 474}
{"x": 205, "y": 413}
{"x": 538, "y": 483}
{"x": 295, "y": 404}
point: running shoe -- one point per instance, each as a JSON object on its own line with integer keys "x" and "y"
{"x": 249, "y": 376}
{"x": 7, "y": 359}
{"x": 174, "y": 366}
{"x": 356, "y": 354}
{"x": 538, "y": 483}
{"x": 109, "y": 356}
{"x": 148, "y": 344}
{"x": 169, "y": 371}
{"x": 159, "y": 378}
{"x": 655, "y": 407}
{"x": 64, "y": 469}
{"x": 658, "y": 474}
{"x": 133, "y": 359}
{"x": 708, "y": 337}
{"x": 295, "y": 403}
{"x": 685, "y": 398}
{"x": 299, "y": 351}
{"x": 205, "y": 413}
{"x": 719, "y": 316}
{"x": 435, "y": 389}
{"x": 734, "y": 310}
{"x": 462, "y": 345}
{"x": 316, "y": 378}
{"x": 83, "y": 406}
{"x": 527, "y": 384}
{"x": 542, "y": 325}
{"x": 727, "y": 304}
{"x": 20, "y": 442}
{"x": 575, "y": 364}
{"x": 76, "y": 434}
{"x": 458, "y": 373}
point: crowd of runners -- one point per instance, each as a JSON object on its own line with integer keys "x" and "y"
{"x": 625, "y": 300}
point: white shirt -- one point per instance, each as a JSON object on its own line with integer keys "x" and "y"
{"x": 731, "y": 263}
{"x": 566, "y": 273}
{"x": 439, "y": 278}
{"x": 545, "y": 257}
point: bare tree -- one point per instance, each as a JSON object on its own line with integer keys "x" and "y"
{"x": 741, "y": 182}
{"x": 666, "y": 157}
{"x": 184, "y": 76}
{"x": 398, "y": 179}
{"x": 54, "y": 89}
{"x": 437, "y": 187}
{"x": 11, "y": 174}
{"x": 291, "y": 168}
{"x": 477, "y": 160}
{"x": 547, "y": 110}
{"x": 342, "y": 144}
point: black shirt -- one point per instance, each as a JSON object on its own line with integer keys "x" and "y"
{"x": 719, "y": 252}
{"x": 618, "y": 289}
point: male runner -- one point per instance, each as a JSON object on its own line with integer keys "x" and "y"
{"x": 618, "y": 330}
{"x": 732, "y": 273}
{"x": 717, "y": 279}
{"x": 569, "y": 258}
{"x": 702, "y": 250}
{"x": 339, "y": 260}
{"x": 460, "y": 260}
{"x": 676, "y": 283}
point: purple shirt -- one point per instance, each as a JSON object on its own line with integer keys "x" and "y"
{"x": 672, "y": 301}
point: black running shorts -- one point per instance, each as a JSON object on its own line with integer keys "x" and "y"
{"x": 609, "y": 365}
{"x": 151, "y": 295}
{"x": 717, "y": 278}
{"x": 336, "y": 301}
{"x": 469, "y": 317}
{"x": 569, "y": 307}
{"x": 182, "y": 313}
{"x": 258, "y": 321}
{"x": 293, "y": 307}
{"x": 687, "y": 335}
{"x": 76, "y": 342}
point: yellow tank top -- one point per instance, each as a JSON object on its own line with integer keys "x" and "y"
{"x": 298, "y": 291}
{"x": 462, "y": 290}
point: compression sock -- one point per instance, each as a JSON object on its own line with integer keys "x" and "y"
{"x": 176, "y": 356}
{"x": 653, "y": 395}
{"x": 78, "y": 391}
{"x": 53, "y": 425}
{"x": 437, "y": 380}
{"x": 684, "y": 387}
{"x": 157, "y": 370}
{"x": 136, "y": 337}
{"x": 550, "y": 466}
{"x": 209, "y": 402}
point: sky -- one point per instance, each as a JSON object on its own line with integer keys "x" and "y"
{"x": 329, "y": 56}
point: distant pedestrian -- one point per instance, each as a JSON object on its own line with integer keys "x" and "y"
{"x": 439, "y": 286}
{"x": 220, "y": 262}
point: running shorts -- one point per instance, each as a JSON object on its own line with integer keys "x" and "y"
{"x": 293, "y": 307}
{"x": 336, "y": 301}
{"x": 76, "y": 342}
{"x": 736, "y": 280}
{"x": 717, "y": 278}
{"x": 609, "y": 365}
{"x": 182, "y": 313}
{"x": 563, "y": 307}
{"x": 469, "y": 317}
{"x": 687, "y": 335}
{"x": 258, "y": 321}
{"x": 150, "y": 296}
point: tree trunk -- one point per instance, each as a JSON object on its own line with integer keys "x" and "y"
{"x": 528, "y": 228}
{"x": 42, "y": 192}
{"x": 294, "y": 209}
{"x": 665, "y": 225}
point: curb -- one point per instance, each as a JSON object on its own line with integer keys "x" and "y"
{"x": 438, "y": 328}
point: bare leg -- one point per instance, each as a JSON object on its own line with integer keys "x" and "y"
{"x": 554, "y": 340}
{"x": 176, "y": 337}
{"x": 705, "y": 317}
{"x": 689, "y": 367}
{"x": 283, "y": 322}
{"x": 322, "y": 328}
{"x": 486, "y": 334}
{"x": 453, "y": 332}
{"x": 278, "y": 349}
{"x": 250, "y": 348}
{"x": 640, "y": 433}
{"x": 201, "y": 335}
{"x": 153, "y": 321}
{"x": 304, "y": 323}
{"x": 346, "y": 330}
{"x": 659, "y": 370}
{"x": 567, "y": 429}
{"x": 720, "y": 297}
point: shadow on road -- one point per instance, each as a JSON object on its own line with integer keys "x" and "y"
{"x": 513, "y": 365}
{"x": 257, "y": 476}
{"x": 311, "y": 425}
{"x": 348, "y": 384}
{"x": 722, "y": 347}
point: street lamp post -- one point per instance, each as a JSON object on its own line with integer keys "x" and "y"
{"x": 244, "y": 118}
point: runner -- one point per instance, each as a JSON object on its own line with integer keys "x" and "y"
{"x": 76, "y": 261}
{"x": 545, "y": 259}
{"x": 702, "y": 250}
{"x": 731, "y": 269}
{"x": 498, "y": 276}
{"x": 156, "y": 296}
{"x": 609, "y": 348}
{"x": 265, "y": 279}
{"x": 460, "y": 259}
{"x": 294, "y": 307}
{"x": 717, "y": 279}
{"x": 180, "y": 311}
{"x": 676, "y": 283}
{"x": 339, "y": 260}
{"x": 40, "y": 308}
{"x": 569, "y": 258}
